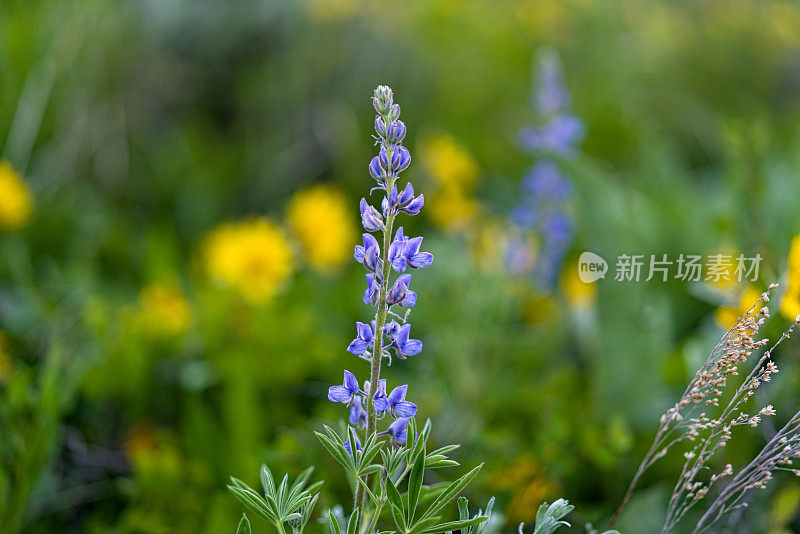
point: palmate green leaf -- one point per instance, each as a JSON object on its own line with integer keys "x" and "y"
{"x": 296, "y": 504}
{"x": 244, "y": 525}
{"x": 450, "y": 493}
{"x": 337, "y": 450}
{"x": 254, "y": 502}
{"x": 415, "y": 483}
{"x": 371, "y": 450}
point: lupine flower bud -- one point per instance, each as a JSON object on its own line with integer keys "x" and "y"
{"x": 380, "y": 126}
{"x": 397, "y": 292}
{"x": 372, "y": 293}
{"x": 372, "y": 259}
{"x": 370, "y": 217}
{"x": 383, "y": 160}
{"x": 395, "y": 133}
{"x": 394, "y": 112}
{"x": 390, "y": 202}
{"x": 382, "y": 99}
{"x": 376, "y": 171}
{"x": 401, "y": 159}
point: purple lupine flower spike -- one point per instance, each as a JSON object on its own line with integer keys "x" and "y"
{"x": 381, "y": 291}
{"x": 347, "y": 391}
{"x": 363, "y": 340}
{"x": 405, "y": 345}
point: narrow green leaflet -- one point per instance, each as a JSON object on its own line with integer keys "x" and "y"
{"x": 244, "y": 525}
{"x": 454, "y": 525}
{"x": 333, "y": 523}
{"x": 415, "y": 483}
{"x": 352, "y": 523}
{"x": 450, "y": 493}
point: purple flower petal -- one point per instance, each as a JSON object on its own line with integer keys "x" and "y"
{"x": 398, "y": 394}
{"x": 339, "y": 394}
{"x": 405, "y": 409}
{"x": 421, "y": 260}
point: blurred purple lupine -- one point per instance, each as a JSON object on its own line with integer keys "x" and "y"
{"x": 381, "y": 256}
{"x": 543, "y": 211}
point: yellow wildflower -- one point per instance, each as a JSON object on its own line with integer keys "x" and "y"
{"x": 579, "y": 294}
{"x": 251, "y": 256}
{"x": 721, "y": 269}
{"x": 449, "y": 163}
{"x": 790, "y": 303}
{"x": 449, "y": 208}
{"x": 526, "y": 479}
{"x": 164, "y": 310}
{"x": 726, "y": 316}
{"x": 454, "y": 172}
{"x": 16, "y": 202}
{"x": 320, "y": 218}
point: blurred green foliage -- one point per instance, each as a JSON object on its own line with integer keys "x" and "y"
{"x": 133, "y": 384}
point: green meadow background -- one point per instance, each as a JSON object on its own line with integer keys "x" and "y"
{"x": 178, "y": 208}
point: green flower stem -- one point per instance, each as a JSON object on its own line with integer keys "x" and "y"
{"x": 377, "y": 350}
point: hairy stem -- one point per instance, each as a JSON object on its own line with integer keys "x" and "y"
{"x": 377, "y": 351}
